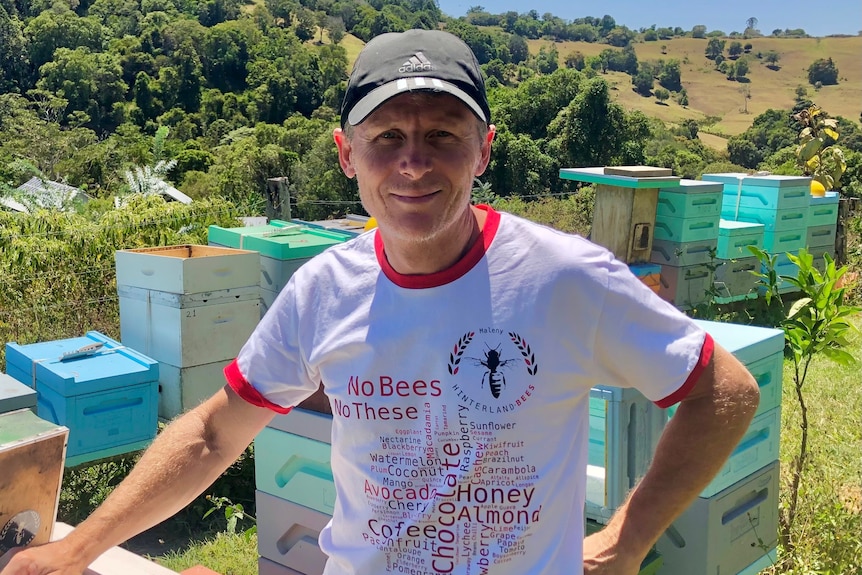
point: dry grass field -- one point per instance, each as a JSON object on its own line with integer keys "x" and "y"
{"x": 710, "y": 93}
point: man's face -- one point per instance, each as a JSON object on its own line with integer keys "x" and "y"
{"x": 414, "y": 159}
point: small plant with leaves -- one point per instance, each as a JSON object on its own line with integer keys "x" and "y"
{"x": 817, "y": 324}
{"x": 767, "y": 311}
{"x": 233, "y": 513}
{"x": 816, "y": 154}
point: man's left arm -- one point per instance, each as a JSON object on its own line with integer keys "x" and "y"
{"x": 695, "y": 444}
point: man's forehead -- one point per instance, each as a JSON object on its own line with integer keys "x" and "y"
{"x": 431, "y": 105}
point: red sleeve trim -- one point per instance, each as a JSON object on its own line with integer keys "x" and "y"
{"x": 685, "y": 388}
{"x": 237, "y": 382}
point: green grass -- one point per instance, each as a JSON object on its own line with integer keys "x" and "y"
{"x": 225, "y": 553}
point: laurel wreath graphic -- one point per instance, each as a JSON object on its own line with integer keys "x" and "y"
{"x": 524, "y": 348}
{"x": 460, "y": 348}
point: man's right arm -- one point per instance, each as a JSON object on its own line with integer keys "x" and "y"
{"x": 184, "y": 460}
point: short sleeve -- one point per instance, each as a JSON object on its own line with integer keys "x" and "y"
{"x": 645, "y": 342}
{"x": 270, "y": 369}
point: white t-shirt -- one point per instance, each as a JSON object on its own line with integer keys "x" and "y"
{"x": 460, "y": 399}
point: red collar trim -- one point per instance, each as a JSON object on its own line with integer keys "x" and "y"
{"x": 458, "y": 269}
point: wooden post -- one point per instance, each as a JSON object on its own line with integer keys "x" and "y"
{"x": 278, "y": 199}
{"x": 847, "y": 208}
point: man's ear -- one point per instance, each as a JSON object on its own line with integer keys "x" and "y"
{"x": 344, "y": 152}
{"x": 485, "y": 157}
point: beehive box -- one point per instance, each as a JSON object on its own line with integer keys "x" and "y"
{"x": 786, "y": 241}
{"x": 282, "y": 246}
{"x": 185, "y": 330}
{"x": 734, "y": 239}
{"x": 624, "y": 430}
{"x": 772, "y": 192}
{"x": 683, "y": 254}
{"x": 186, "y": 269}
{"x": 724, "y": 533}
{"x": 686, "y": 286}
{"x": 294, "y": 468}
{"x": 184, "y": 388}
{"x": 774, "y": 221}
{"x": 104, "y": 392}
{"x": 14, "y": 395}
{"x": 32, "y": 451}
{"x": 690, "y": 229}
{"x": 351, "y": 224}
{"x": 734, "y": 280}
{"x": 691, "y": 199}
{"x": 287, "y": 534}
{"x": 821, "y": 236}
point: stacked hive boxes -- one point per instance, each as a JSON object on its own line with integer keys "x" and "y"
{"x": 351, "y": 224}
{"x": 780, "y": 203}
{"x": 295, "y": 492}
{"x": 822, "y": 225}
{"x": 283, "y": 248}
{"x": 105, "y": 393}
{"x": 734, "y": 276}
{"x": 686, "y": 236}
{"x": 191, "y": 308}
{"x": 732, "y": 526}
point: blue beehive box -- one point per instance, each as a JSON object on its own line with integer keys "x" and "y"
{"x": 773, "y": 220}
{"x": 106, "y": 395}
{"x": 287, "y": 534}
{"x": 821, "y": 236}
{"x": 734, "y": 280}
{"x": 15, "y": 395}
{"x": 823, "y": 211}
{"x": 624, "y": 430}
{"x": 772, "y": 192}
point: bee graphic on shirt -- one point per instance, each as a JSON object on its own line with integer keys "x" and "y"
{"x": 493, "y": 364}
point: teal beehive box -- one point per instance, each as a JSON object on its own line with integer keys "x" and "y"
{"x": 15, "y": 395}
{"x": 283, "y": 248}
{"x": 690, "y": 199}
{"x": 823, "y": 211}
{"x": 294, "y": 468}
{"x": 763, "y": 192}
{"x": 821, "y": 236}
{"x": 104, "y": 392}
{"x": 785, "y": 241}
{"x": 734, "y": 239}
{"x": 624, "y": 430}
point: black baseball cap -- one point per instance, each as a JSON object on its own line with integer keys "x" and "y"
{"x": 397, "y": 62}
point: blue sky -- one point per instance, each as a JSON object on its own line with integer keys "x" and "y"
{"x": 816, "y": 18}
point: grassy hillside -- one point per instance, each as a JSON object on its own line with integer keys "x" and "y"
{"x": 710, "y": 93}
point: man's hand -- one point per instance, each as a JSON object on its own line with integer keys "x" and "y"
{"x": 603, "y": 556}
{"x": 48, "y": 559}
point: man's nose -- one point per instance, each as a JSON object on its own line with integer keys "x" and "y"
{"x": 415, "y": 160}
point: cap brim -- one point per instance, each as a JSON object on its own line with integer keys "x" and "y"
{"x": 378, "y": 96}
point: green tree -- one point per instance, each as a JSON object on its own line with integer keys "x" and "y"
{"x": 741, "y": 68}
{"x": 51, "y": 30}
{"x": 14, "y": 62}
{"x": 734, "y": 50}
{"x": 576, "y": 60}
{"x": 643, "y": 80}
{"x": 91, "y": 82}
{"x": 661, "y": 95}
{"x": 698, "y": 31}
{"x": 771, "y": 58}
{"x": 670, "y": 76}
{"x": 714, "y": 48}
{"x": 823, "y": 71}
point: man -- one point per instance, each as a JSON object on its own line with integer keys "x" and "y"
{"x": 449, "y": 334}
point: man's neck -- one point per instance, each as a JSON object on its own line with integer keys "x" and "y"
{"x": 437, "y": 254}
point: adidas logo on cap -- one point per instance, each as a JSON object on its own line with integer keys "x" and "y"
{"x": 416, "y": 63}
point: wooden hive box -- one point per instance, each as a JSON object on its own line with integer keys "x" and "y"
{"x": 32, "y": 452}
